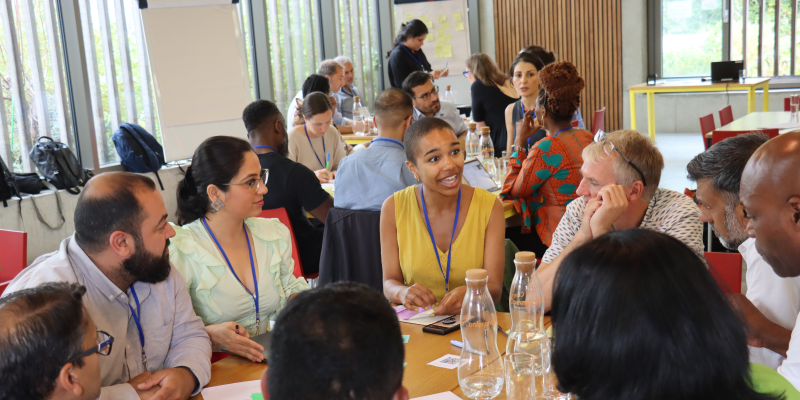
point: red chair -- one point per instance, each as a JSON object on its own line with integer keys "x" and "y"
{"x": 14, "y": 250}
{"x": 3, "y": 287}
{"x": 706, "y": 126}
{"x": 283, "y": 216}
{"x": 575, "y": 124}
{"x": 599, "y": 120}
{"x": 727, "y": 270}
{"x": 725, "y": 116}
{"x": 719, "y": 136}
{"x": 787, "y": 104}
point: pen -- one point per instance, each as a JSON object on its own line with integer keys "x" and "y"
{"x": 328, "y": 161}
{"x": 457, "y": 343}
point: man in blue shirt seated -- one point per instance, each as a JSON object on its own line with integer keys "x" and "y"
{"x": 368, "y": 177}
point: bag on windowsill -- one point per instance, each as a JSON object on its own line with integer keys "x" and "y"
{"x": 59, "y": 166}
{"x": 138, "y": 150}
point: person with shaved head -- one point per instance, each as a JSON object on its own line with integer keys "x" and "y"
{"x": 119, "y": 252}
{"x": 770, "y": 195}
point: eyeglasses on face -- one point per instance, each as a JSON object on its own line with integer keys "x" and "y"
{"x": 608, "y": 146}
{"x": 466, "y": 74}
{"x": 427, "y": 96}
{"x": 254, "y": 184}
{"x": 104, "y": 342}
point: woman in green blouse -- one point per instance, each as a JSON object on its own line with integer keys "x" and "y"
{"x": 238, "y": 269}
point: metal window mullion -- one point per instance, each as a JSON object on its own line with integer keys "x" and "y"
{"x": 794, "y": 35}
{"x": 288, "y": 53}
{"x": 309, "y": 47}
{"x": 261, "y": 47}
{"x": 125, "y": 63}
{"x": 16, "y": 72}
{"x": 762, "y": 7}
{"x": 112, "y": 92}
{"x": 375, "y": 49}
{"x": 338, "y": 25}
{"x": 279, "y": 87}
{"x": 726, "y": 30}
{"x": 777, "y": 36}
{"x": 297, "y": 36}
{"x": 60, "y": 95}
{"x": 37, "y": 73}
{"x": 5, "y": 135}
{"x": 386, "y": 30}
{"x": 93, "y": 79}
{"x": 358, "y": 45}
{"x": 346, "y": 21}
{"x": 744, "y": 32}
{"x": 369, "y": 72}
{"x": 145, "y": 82}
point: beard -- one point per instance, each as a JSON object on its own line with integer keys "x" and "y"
{"x": 146, "y": 267}
{"x": 736, "y": 232}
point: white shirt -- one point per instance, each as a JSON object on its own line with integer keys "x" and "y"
{"x": 777, "y": 298}
{"x": 669, "y": 212}
{"x": 449, "y": 113}
{"x": 293, "y": 108}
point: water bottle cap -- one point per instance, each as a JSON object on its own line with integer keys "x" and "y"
{"x": 485, "y": 130}
{"x": 472, "y": 126}
{"x": 477, "y": 274}
{"x": 448, "y": 87}
{"x": 525, "y": 256}
{"x": 357, "y": 99}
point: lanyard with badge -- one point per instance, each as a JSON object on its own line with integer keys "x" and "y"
{"x": 137, "y": 319}
{"x": 252, "y": 268}
{"x": 446, "y": 275}
{"x": 395, "y": 141}
{"x": 265, "y": 147}
{"x": 417, "y": 59}
{"x": 312, "y": 146}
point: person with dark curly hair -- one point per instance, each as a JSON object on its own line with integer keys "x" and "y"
{"x": 544, "y": 179}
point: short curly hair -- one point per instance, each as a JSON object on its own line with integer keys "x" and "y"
{"x": 561, "y": 90}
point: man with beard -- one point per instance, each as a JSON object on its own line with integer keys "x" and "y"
{"x": 420, "y": 87}
{"x": 119, "y": 253}
{"x": 718, "y": 173}
{"x": 291, "y": 185}
{"x": 770, "y": 196}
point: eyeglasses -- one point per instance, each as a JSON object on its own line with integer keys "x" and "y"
{"x": 254, "y": 184}
{"x": 600, "y": 137}
{"x": 466, "y": 74}
{"x": 427, "y": 96}
{"x": 104, "y": 342}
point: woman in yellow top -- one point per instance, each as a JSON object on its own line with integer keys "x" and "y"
{"x": 432, "y": 233}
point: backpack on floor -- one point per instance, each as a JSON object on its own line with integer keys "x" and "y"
{"x": 59, "y": 166}
{"x": 138, "y": 150}
{"x": 8, "y": 187}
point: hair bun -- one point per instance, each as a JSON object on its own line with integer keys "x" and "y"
{"x": 563, "y": 85}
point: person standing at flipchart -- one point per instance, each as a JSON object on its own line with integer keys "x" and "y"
{"x": 407, "y": 55}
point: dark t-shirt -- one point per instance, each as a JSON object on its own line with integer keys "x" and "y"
{"x": 295, "y": 187}
{"x": 516, "y": 115}
{"x": 489, "y": 106}
{"x": 402, "y": 64}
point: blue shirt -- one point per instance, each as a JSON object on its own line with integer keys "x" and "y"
{"x": 367, "y": 178}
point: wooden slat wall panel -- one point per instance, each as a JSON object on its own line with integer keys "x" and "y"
{"x": 584, "y": 32}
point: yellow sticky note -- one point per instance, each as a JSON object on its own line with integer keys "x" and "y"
{"x": 408, "y": 17}
{"x": 459, "y": 26}
{"x": 437, "y": 52}
{"x": 447, "y": 51}
{"x": 457, "y": 16}
{"x": 444, "y": 38}
{"x": 440, "y": 32}
{"x": 445, "y": 26}
{"x": 430, "y": 37}
{"x": 442, "y": 18}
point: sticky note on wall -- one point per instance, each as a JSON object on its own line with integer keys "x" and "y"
{"x": 445, "y": 26}
{"x": 408, "y": 17}
{"x": 442, "y": 18}
{"x": 459, "y": 26}
{"x": 457, "y": 16}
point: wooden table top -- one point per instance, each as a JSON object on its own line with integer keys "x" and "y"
{"x": 699, "y": 85}
{"x": 419, "y": 378}
{"x": 756, "y": 120}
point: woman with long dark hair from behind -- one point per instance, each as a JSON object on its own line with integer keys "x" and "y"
{"x": 238, "y": 269}
{"x": 407, "y": 56}
{"x": 637, "y": 316}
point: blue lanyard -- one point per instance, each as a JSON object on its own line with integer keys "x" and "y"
{"x": 430, "y": 232}
{"x": 312, "y": 147}
{"x": 395, "y": 141}
{"x": 417, "y": 59}
{"x": 265, "y": 147}
{"x": 136, "y": 318}
{"x": 252, "y": 268}
{"x": 344, "y": 92}
{"x": 565, "y": 129}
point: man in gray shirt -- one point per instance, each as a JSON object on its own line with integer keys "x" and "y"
{"x": 348, "y": 92}
{"x": 119, "y": 253}
{"x": 427, "y": 104}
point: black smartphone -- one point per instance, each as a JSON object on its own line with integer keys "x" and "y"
{"x": 442, "y": 327}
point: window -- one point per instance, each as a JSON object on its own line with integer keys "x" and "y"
{"x": 120, "y": 82}
{"x": 33, "y": 85}
{"x": 295, "y": 47}
{"x": 691, "y": 36}
{"x": 359, "y": 39}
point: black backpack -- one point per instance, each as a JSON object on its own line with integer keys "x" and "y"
{"x": 59, "y": 166}
{"x": 8, "y": 187}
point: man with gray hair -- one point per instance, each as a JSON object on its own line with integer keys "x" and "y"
{"x": 718, "y": 173}
{"x": 349, "y": 91}
{"x": 335, "y": 74}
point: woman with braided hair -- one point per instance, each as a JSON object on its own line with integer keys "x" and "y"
{"x": 543, "y": 179}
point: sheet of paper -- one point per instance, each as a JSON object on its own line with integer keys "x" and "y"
{"x": 445, "y": 26}
{"x": 429, "y": 320}
{"x": 449, "y": 361}
{"x": 442, "y": 18}
{"x": 406, "y": 338}
{"x": 457, "y": 16}
{"x": 439, "y": 396}
{"x": 459, "y": 26}
{"x": 250, "y": 390}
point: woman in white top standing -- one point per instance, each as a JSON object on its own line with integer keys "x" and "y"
{"x": 310, "y": 143}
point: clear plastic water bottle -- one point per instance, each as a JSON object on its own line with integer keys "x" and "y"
{"x": 486, "y": 154}
{"x": 448, "y": 95}
{"x": 480, "y": 370}
{"x": 526, "y": 303}
{"x": 473, "y": 141}
{"x": 359, "y": 126}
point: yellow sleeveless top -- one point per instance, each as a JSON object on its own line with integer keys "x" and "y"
{"x": 417, "y": 260}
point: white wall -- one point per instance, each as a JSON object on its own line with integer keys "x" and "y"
{"x": 42, "y": 240}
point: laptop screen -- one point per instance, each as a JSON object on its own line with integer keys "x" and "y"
{"x": 476, "y": 175}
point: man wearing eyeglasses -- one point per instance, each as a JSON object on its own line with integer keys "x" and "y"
{"x": 420, "y": 87}
{"x": 619, "y": 190}
{"x": 119, "y": 252}
{"x": 49, "y": 345}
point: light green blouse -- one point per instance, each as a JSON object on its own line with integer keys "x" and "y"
{"x": 216, "y": 295}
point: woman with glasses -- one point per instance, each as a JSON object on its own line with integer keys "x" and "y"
{"x": 544, "y": 179}
{"x": 317, "y": 144}
{"x": 491, "y": 93}
{"x": 238, "y": 268}
{"x": 407, "y": 56}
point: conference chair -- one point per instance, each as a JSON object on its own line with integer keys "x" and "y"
{"x": 14, "y": 250}
{"x": 706, "y": 126}
{"x": 351, "y": 248}
{"x": 727, "y": 270}
{"x": 787, "y": 104}
{"x": 599, "y": 120}
{"x": 283, "y": 216}
{"x": 719, "y": 136}
{"x": 725, "y": 116}
{"x": 575, "y": 124}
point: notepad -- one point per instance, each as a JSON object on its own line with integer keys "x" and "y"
{"x": 241, "y": 390}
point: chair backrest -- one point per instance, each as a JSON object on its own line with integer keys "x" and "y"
{"x": 575, "y": 124}
{"x": 3, "y": 287}
{"x": 787, "y": 104}
{"x": 706, "y": 126}
{"x": 725, "y": 116}
{"x": 719, "y": 136}
{"x": 351, "y": 248}
{"x": 283, "y": 216}
{"x": 727, "y": 270}
{"x": 599, "y": 120}
{"x": 14, "y": 250}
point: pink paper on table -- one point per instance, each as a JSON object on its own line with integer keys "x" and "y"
{"x": 406, "y": 314}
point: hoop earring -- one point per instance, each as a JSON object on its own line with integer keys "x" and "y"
{"x": 416, "y": 178}
{"x": 217, "y": 204}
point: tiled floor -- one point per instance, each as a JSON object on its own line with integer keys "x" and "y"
{"x": 678, "y": 149}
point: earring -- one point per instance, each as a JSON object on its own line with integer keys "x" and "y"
{"x": 417, "y": 178}
{"x": 217, "y": 204}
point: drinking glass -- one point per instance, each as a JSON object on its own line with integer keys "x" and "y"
{"x": 519, "y": 376}
{"x": 742, "y": 75}
{"x": 549, "y": 377}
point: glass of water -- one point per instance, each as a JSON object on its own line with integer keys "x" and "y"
{"x": 550, "y": 381}
{"x": 519, "y": 376}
